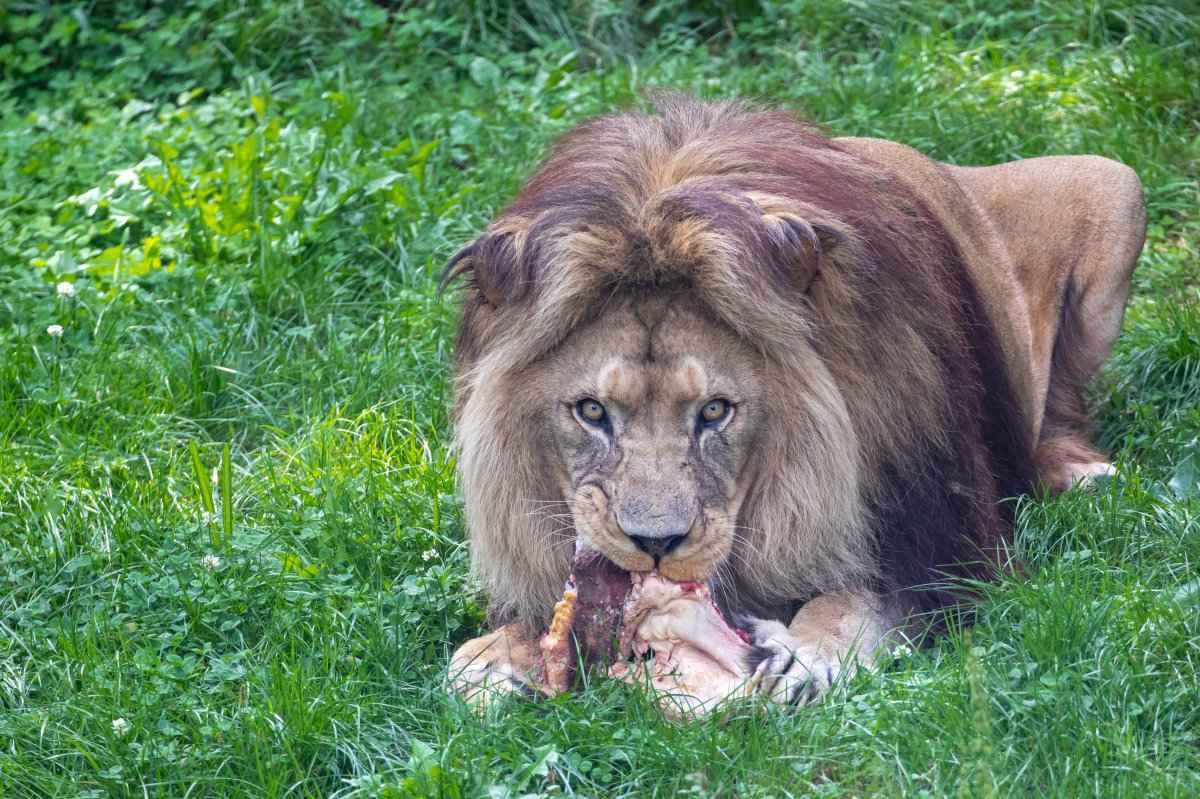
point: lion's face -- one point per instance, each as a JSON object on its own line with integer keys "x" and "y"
{"x": 656, "y": 412}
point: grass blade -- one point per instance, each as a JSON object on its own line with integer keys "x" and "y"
{"x": 205, "y": 489}
{"x": 227, "y": 498}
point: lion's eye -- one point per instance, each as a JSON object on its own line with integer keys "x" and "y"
{"x": 591, "y": 411}
{"x": 715, "y": 412}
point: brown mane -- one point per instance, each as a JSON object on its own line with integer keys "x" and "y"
{"x": 895, "y": 459}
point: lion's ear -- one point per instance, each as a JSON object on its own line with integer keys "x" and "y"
{"x": 461, "y": 263}
{"x": 488, "y": 263}
{"x": 801, "y": 247}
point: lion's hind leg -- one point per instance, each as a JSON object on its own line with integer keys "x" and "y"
{"x": 1105, "y": 223}
{"x": 1065, "y": 455}
{"x": 498, "y": 664}
{"x": 1073, "y": 227}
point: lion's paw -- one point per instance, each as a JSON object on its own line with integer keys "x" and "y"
{"x": 493, "y": 666}
{"x": 482, "y": 685}
{"x": 789, "y": 670}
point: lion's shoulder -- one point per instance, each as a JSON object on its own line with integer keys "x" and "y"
{"x": 982, "y": 245}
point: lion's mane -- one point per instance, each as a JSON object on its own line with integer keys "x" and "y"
{"x": 894, "y": 432}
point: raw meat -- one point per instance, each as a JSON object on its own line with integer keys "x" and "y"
{"x": 590, "y": 613}
{"x": 681, "y": 646}
{"x": 648, "y": 630}
{"x": 603, "y": 587}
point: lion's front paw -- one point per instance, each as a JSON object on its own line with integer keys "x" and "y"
{"x": 492, "y": 666}
{"x": 480, "y": 684}
{"x": 790, "y": 670}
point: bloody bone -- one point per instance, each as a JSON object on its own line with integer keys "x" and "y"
{"x": 591, "y": 609}
{"x": 697, "y": 661}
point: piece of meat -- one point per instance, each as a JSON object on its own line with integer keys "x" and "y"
{"x": 590, "y": 613}
{"x": 603, "y": 587}
{"x": 648, "y": 630}
{"x": 696, "y": 660}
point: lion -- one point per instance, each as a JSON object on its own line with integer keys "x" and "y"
{"x": 808, "y": 371}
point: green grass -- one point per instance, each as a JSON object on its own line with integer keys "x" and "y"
{"x": 252, "y": 203}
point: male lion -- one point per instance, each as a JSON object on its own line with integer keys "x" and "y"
{"x": 806, "y": 370}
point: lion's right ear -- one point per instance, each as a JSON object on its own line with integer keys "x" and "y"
{"x": 489, "y": 264}
{"x": 800, "y": 242}
{"x": 801, "y": 246}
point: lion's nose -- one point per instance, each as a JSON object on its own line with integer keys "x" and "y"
{"x": 657, "y": 546}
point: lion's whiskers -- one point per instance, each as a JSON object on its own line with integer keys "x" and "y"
{"x": 738, "y": 532}
{"x": 546, "y": 503}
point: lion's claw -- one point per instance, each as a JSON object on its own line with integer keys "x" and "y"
{"x": 789, "y": 670}
{"x": 501, "y": 663}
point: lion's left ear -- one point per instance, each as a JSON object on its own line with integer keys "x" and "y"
{"x": 799, "y": 243}
{"x": 801, "y": 247}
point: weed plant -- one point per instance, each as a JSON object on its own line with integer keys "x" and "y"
{"x": 231, "y": 552}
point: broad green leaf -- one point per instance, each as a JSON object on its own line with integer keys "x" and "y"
{"x": 484, "y": 72}
{"x": 1185, "y": 482}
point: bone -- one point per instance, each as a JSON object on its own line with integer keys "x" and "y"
{"x": 556, "y": 643}
{"x": 590, "y": 613}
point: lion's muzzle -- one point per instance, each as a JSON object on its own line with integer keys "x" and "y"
{"x": 660, "y": 525}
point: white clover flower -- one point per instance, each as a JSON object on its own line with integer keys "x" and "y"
{"x": 65, "y": 289}
{"x": 902, "y": 651}
{"x": 121, "y": 727}
{"x": 429, "y": 554}
{"x": 210, "y": 562}
{"x": 54, "y": 331}
{"x": 127, "y": 177}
